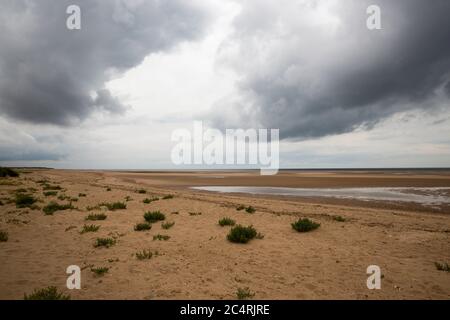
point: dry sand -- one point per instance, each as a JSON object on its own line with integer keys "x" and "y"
{"x": 197, "y": 262}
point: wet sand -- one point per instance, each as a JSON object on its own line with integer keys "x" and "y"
{"x": 197, "y": 262}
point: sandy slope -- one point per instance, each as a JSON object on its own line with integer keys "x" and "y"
{"x": 197, "y": 262}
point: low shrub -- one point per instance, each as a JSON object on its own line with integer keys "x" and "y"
{"x": 8, "y": 172}
{"x": 145, "y": 254}
{"x": 24, "y": 200}
{"x": 244, "y": 293}
{"x": 442, "y": 266}
{"x": 49, "y": 293}
{"x": 195, "y": 213}
{"x": 142, "y": 191}
{"x": 142, "y": 226}
{"x": 154, "y": 216}
{"x": 104, "y": 242}
{"x": 305, "y": 225}
{"x": 338, "y": 218}
{"x": 241, "y": 234}
{"x": 240, "y": 207}
{"x": 167, "y": 225}
{"x": 89, "y": 228}
{"x": 80, "y": 195}
{"x": 226, "y": 222}
{"x": 169, "y": 196}
{"x": 148, "y": 200}
{"x": 100, "y": 271}
{"x": 250, "y": 209}
{"x": 113, "y": 206}
{"x": 161, "y": 237}
{"x": 96, "y": 216}
{"x": 52, "y": 207}
{"x": 51, "y": 187}
{"x": 50, "y": 193}
{"x": 3, "y": 236}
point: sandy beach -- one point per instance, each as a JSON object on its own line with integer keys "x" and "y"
{"x": 197, "y": 262}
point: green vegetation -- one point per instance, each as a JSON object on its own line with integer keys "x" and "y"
{"x": 3, "y": 236}
{"x": 241, "y": 234}
{"x": 104, "y": 242}
{"x": 52, "y": 207}
{"x": 100, "y": 271}
{"x": 50, "y": 187}
{"x": 167, "y": 225}
{"x": 89, "y": 228}
{"x": 226, "y": 222}
{"x": 250, "y": 209}
{"x": 442, "y": 266}
{"x": 141, "y": 191}
{"x": 169, "y": 196}
{"x": 148, "y": 200}
{"x": 63, "y": 197}
{"x": 24, "y": 200}
{"x": 49, "y": 293}
{"x": 96, "y": 216}
{"x": 161, "y": 237}
{"x": 305, "y": 225}
{"x": 338, "y": 218}
{"x": 50, "y": 193}
{"x": 142, "y": 226}
{"x": 154, "y": 216}
{"x": 113, "y": 206}
{"x": 244, "y": 293}
{"x": 145, "y": 254}
{"x": 8, "y": 172}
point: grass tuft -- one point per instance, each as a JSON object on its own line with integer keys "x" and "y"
{"x": 3, "y": 236}
{"x": 142, "y": 226}
{"x": 226, "y": 222}
{"x": 52, "y": 207}
{"x": 148, "y": 200}
{"x": 51, "y": 187}
{"x": 96, "y": 216}
{"x": 169, "y": 196}
{"x": 442, "y": 266}
{"x": 338, "y": 218}
{"x": 161, "y": 237}
{"x": 24, "y": 200}
{"x": 113, "y": 205}
{"x": 167, "y": 225}
{"x": 49, "y": 293}
{"x": 250, "y": 209}
{"x": 100, "y": 271}
{"x": 104, "y": 242}
{"x": 145, "y": 254}
{"x": 305, "y": 225}
{"x": 50, "y": 193}
{"x": 244, "y": 293}
{"x": 89, "y": 228}
{"x": 241, "y": 234}
{"x": 154, "y": 216}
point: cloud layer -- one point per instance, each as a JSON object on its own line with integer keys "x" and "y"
{"x": 312, "y": 68}
{"x": 52, "y": 75}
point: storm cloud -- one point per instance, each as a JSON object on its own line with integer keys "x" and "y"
{"x": 313, "y": 68}
{"x": 52, "y": 75}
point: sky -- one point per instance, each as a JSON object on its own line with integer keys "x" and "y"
{"x": 110, "y": 95}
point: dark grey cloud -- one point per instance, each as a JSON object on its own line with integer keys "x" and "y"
{"x": 49, "y": 74}
{"x": 313, "y": 71}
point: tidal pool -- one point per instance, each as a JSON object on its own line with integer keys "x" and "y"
{"x": 430, "y": 196}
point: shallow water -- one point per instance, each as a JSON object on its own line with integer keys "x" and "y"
{"x": 430, "y": 196}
